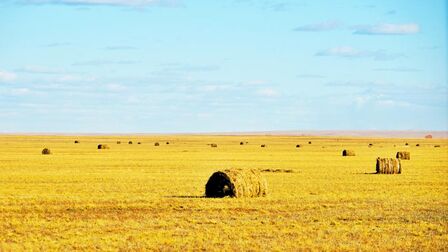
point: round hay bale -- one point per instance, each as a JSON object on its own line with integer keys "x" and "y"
{"x": 139, "y": 143}
{"x": 167, "y": 142}
{"x": 436, "y": 146}
{"x": 417, "y": 145}
{"x": 130, "y": 142}
{"x": 46, "y": 151}
{"x": 405, "y": 155}
{"x": 156, "y": 144}
{"x": 214, "y": 145}
{"x": 309, "y": 142}
{"x": 370, "y": 144}
{"x": 236, "y": 183}
{"x": 241, "y": 143}
{"x": 76, "y": 141}
{"x": 428, "y": 136}
{"x": 118, "y": 142}
{"x": 347, "y": 153}
{"x": 388, "y": 166}
{"x": 406, "y": 144}
{"x": 103, "y": 146}
{"x": 298, "y": 146}
{"x": 263, "y": 145}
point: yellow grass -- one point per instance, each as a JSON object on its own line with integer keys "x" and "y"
{"x": 139, "y": 197}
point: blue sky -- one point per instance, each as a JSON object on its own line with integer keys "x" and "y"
{"x": 228, "y": 65}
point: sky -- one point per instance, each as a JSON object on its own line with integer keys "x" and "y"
{"x": 173, "y": 66}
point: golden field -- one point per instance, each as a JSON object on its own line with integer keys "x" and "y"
{"x": 142, "y": 197}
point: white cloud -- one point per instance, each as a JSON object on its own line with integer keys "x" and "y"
{"x": 350, "y": 52}
{"x": 323, "y": 26}
{"x": 134, "y": 3}
{"x": 268, "y": 92}
{"x": 7, "y": 76}
{"x": 387, "y": 29}
{"x": 115, "y": 87}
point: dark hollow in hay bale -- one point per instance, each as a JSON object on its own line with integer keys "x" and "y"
{"x": 241, "y": 143}
{"x": 118, "y": 142}
{"x": 437, "y": 146}
{"x": 156, "y": 144}
{"x": 263, "y": 145}
{"x": 76, "y": 141}
{"x": 405, "y": 155}
{"x": 46, "y": 151}
{"x": 428, "y": 136}
{"x": 236, "y": 183}
{"x": 103, "y": 146}
{"x": 298, "y": 146}
{"x": 388, "y": 166}
{"x": 130, "y": 142}
{"x": 346, "y": 153}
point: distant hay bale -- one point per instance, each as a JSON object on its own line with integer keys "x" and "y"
{"x": 139, "y": 142}
{"x": 370, "y": 144}
{"x": 118, "y": 142}
{"x": 103, "y": 146}
{"x": 388, "y": 166}
{"x": 428, "y": 136}
{"x": 417, "y": 145}
{"x": 263, "y": 145}
{"x": 167, "y": 142}
{"x": 298, "y": 146}
{"x": 213, "y": 145}
{"x": 241, "y": 143}
{"x": 436, "y": 146}
{"x": 406, "y": 144}
{"x": 130, "y": 142}
{"x": 346, "y": 153}
{"x": 156, "y": 144}
{"x": 278, "y": 170}
{"x": 236, "y": 183}
{"x": 46, "y": 151}
{"x": 76, "y": 141}
{"x": 405, "y": 155}
{"x": 309, "y": 142}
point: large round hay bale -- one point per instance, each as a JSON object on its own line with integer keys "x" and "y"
{"x": 298, "y": 146}
{"x": 388, "y": 166}
{"x": 346, "y": 153}
{"x": 214, "y": 145}
{"x": 103, "y": 146}
{"x": 76, "y": 141}
{"x": 309, "y": 142}
{"x": 139, "y": 142}
{"x": 263, "y": 145}
{"x": 236, "y": 183}
{"x": 130, "y": 142}
{"x": 241, "y": 143}
{"x": 417, "y": 145}
{"x": 46, "y": 151}
{"x": 156, "y": 144}
{"x": 167, "y": 142}
{"x": 370, "y": 144}
{"x": 403, "y": 155}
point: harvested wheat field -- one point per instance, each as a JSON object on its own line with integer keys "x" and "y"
{"x": 140, "y": 197}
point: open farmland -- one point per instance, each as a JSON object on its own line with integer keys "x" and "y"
{"x": 142, "y": 196}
